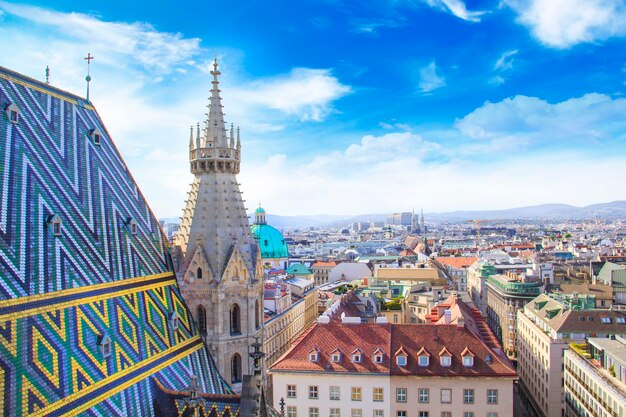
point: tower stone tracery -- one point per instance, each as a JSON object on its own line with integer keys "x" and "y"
{"x": 218, "y": 263}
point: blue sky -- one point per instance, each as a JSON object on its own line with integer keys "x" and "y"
{"x": 353, "y": 106}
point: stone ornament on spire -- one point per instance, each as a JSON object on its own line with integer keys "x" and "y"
{"x": 215, "y": 151}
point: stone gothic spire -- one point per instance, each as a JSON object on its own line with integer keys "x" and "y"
{"x": 215, "y": 126}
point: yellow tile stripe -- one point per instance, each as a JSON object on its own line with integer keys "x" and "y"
{"x": 150, "y": 371}
{"x": 82, "y": 301}
{"x": 47, "y": 91}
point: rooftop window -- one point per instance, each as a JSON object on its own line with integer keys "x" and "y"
{"x": 13, "y": 113}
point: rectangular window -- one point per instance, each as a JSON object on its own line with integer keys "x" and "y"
{"x": 400, "y": 413}
{"x": 401, "y": 395}
{"x": 468, "y": 396}
{"x": 314, "y": 412}
{"x": 423, "y": 395}
{"x": 334, "y": 392}
{"x": 468, "y": 414}
{"x": 378, "y": 394}
{"x": 423, "y": 360}
{"x": 423, "y": 414}
{"x": 492, "y": 414}
{"x": 356, "y": 412}
{"x": 335, "y": 412}
{"x": 379, "y": 413}
{"x": 13, "y": 116}
{"x": 492, "y": 396}
{"x": 446, "y": 395}
{"x": 356, "y": 394}
{"x": 291, "y": 391}
{"x": 313, "y": 392}
{"x": 401, "y": 360}
{"x": 292, "y": 411}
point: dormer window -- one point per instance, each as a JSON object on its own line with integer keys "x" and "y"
{"x": 96, "y": 136}
{"x": 335, "y": 356}
{"x": 423, "y": 358}
{"x": 357, "y": 356}
{"x": 104, "y": 344}
{"x": 401, "y": 357}
{"x": 173, "y": 319}
{"x": 132, "y": 225}
{"x": 445, "y": 358}
{"x": 379, "y": 356}
{"x": 468, "y": 358}
{"x": 13, "y": 113}
{"x": 314, "y": 355}
{"x": 55, "y": 224}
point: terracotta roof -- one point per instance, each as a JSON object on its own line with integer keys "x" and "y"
{"x": 456, "y": 261}
{"x": 411, "y": 338}
{"x": 601, "y": 291}
{"x": 323, "y": 264}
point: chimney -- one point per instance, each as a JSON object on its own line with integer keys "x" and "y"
{"x": 447, "y": 317}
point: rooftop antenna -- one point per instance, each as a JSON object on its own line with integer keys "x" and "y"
{"x": 88, "y": 77}
{"x": 47, "y": 74}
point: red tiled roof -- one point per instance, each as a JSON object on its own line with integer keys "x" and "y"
{"x": 322, "y": 263}
{"x": 412, "y": 338}
{"x": 456, "y": 261}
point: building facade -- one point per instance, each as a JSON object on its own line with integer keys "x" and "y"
{"x": 546, "y": 326}
{"x": 595, "y": 378}
{"x": 218, "y": 263}
{"x": 506, "y": 295}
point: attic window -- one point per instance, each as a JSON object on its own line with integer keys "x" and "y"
{"x": 314, "y": 356}
{"x": 336, "y": 356}
{"x": 56, "y": 224}
{"x": 132, "y": 225}
{"x": 620, "y": 320}
{"x": 606, "y": 320}
{"x": 468, "y": 358}
{"x": 401, "y": 360}
{"x": 488, "y": 358}
{"x": 13, "y": 113}
{"x": 378, "y": 356}
{"x": 423, "y": 360}
{"x": 173, "y": 319}
{"x": 96, "y": 136}
{"x": 357, "y": 357}
{"x": 445, "y": 358}
{"x": 104, "y": 344}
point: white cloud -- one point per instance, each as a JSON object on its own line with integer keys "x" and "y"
{"x": 457, "y": 8}
{"x": 497, "y": 80}
{"x": 564, "y": 23}
{"x": 392, "y": 172}
{"x": 505, "y": 62}
{"x": 307, "y": 93}
{"x": 592, "y": 117}
{"x": 430, "y": 79}
{"x": 139, "y": 42}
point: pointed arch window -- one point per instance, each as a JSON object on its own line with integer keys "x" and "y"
{"x": 199, "y": 273}
{"x": 201, "y": 314}
{"x": 257, "y": 315}
{"x": 235, "y": 368}
{"x": 235, "y": 320}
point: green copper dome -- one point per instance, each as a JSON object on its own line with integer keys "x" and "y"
{"x": 271, "y": 241}
{"x": 260, "y": 210}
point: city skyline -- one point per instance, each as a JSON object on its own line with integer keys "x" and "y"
{"x": 348, "y": 107}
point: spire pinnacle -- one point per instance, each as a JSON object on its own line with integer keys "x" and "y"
{"x": 216, "y": 128}
{"x": 238, "y": 139}
{"x": 232, "y": 136}
{"x": 190, "y": 137}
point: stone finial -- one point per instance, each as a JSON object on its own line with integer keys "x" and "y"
{"x": 232, "y": 136}
{"x": 238, "y": 139}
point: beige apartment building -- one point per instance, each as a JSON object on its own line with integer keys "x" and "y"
{"x": 545, "y": 329}
{"x": 595, "y": 378}
{"x": 383, "y": 369}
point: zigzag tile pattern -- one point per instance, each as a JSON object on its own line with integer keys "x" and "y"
{"x": 60, "y": 294}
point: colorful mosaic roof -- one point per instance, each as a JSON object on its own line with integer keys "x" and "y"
{"x": 90, "y": 311}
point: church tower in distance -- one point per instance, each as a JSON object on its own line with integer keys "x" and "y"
{"x": 217, "y": 261}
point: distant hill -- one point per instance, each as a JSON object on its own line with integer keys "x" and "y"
{"x": 612, "y": 210}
